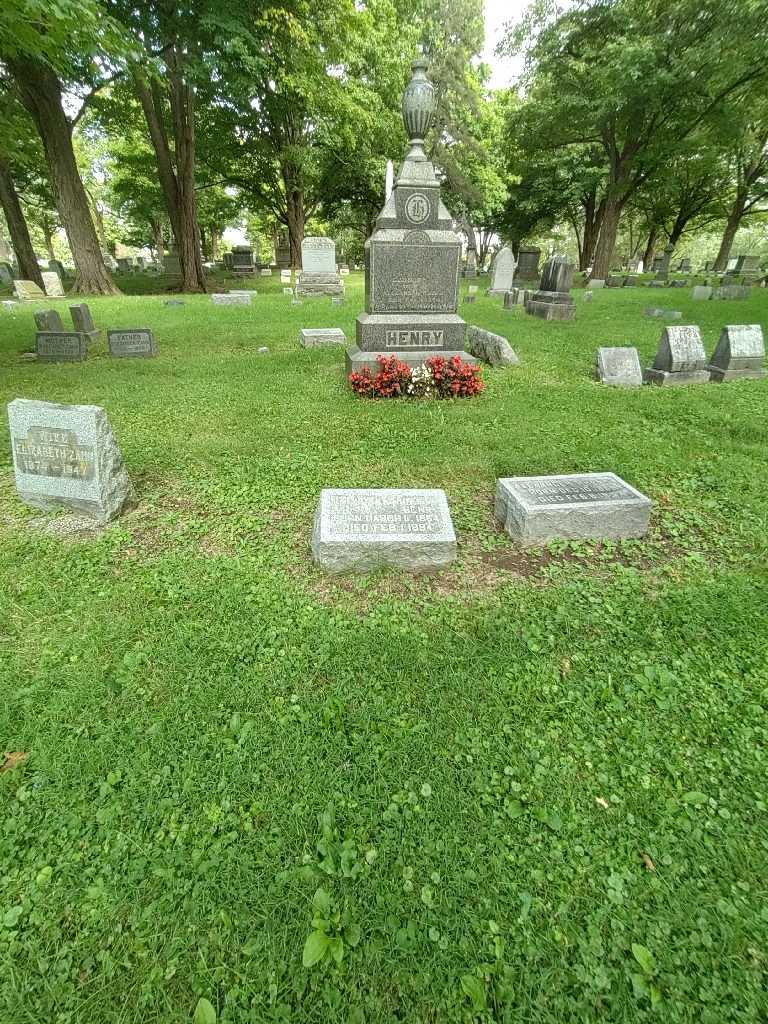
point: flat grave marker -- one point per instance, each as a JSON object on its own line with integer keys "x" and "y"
{"x": 61, "y": 346}
{"x": 619, "y": 367}
{"x": 136, "y": 343}
{"x": 316, "y": 337}
{"x": 231, "y": 299}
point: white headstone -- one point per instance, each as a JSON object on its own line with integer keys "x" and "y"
{"x": 53, "y": 285}
{"x": 318, "y": 255}
{"x": 503, "y": 271}
{"x": 27, "y": 290}
{"x": 619, "y": 367}
{"x": 313, "y": 337}
{"x": 231, "y": 299}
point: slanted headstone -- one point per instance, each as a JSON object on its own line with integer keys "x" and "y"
{"x": 732, "y": 291}
{"x": 124, "y": 264}
{"x": 27, "y": 290}
{"x": 664, "y": 314}
{"x": 48, "y": 320}
{"x": 363, "y": 530}
{"x": 553, "y": 300}
{"x": 230, "y": 299}
{"x": 702, "y": 292}
{"x": 740, "y": 354}
{"x": 680, "y": 358}
{"x": 579, "y": 506}
{"x": 315, "y": 337}
{"x": 82, "y": 320}
{"x": 730, "y": 266}
{"x": 502, "y": 272}
{"x": 67, "y": 456}
{"x": 619, "y": 367}
{"x": 318, "y": 268}
{"x": 52, "y": 283}
{"x": 684, "y": 266}
{"x": 6, "y": 273}
{"x": 491, "y": 348}
{"x": 748, "y": 267}
{"x": 135, "y": 343}
{"x": 61, "y": 346}
{"x": 595, "y": 282}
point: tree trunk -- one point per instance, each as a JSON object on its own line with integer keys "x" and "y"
{"x": 215, "y": 246}
{"x": 650, "y": 248}
{"x": 159, "y": 236}
{"x": 606, "y": 243}
{"x": 40, "y": 92}
{"x": 732, "y": 225}
{"x": 295, "y": 211}
{"x": 48, "y": 236}
{"x": 17, "y": 226}
{"x": 593, "y": 219}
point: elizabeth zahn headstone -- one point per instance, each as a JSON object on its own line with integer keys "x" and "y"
{"x": 579, "y": 506}
{"x": 61, "y": 346}
{"x": 134, "y": 343}
{"x": 67, "y": 456}
{"x": 619, "y": 367}
{"x": 739, "y": 355}
{"x": 362, "y": 530}
{"x": 680, "y": 358}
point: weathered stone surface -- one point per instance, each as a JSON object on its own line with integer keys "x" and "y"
{"x": 502, "y": 272}
{"x": 614, "y": 282}
{"x": 619, "y": 367}
{"x": 232, "y": 298}
{"x": 470, "y": 298}
{"x": 663, "y": 271}
{"x": 287, "y": 291}
{"x": 285, "y": 277}
{"x": 139, "y": 342}
{"x": 740, "y": 354}
{"x": 680, "y": 358}
{"x": 242, "y": 259}
{"x": 657, "y": 284}
{"x": 580, "y": 506}
{"x": 701, "y": 292}
{"x": 595, "y": 283}
{"x": 67, "y": 456}
{"x": 315, "y": 337}
{"x": 49, "y": 320}
{"x": 491, "y": 348}
{"x": 588, "y": 296}
{"x": 61, "y": 346}
{"x": 6, "y": 273}
{"x": 363, "y": 530}
{"x": 516, "y": 297}
{"x": 174, "y": 302}
{"x": 319, "y": 275}
{"x": 52, "y": 284}
{"x": 528, "y": 257}
{"x": 732, "y": 291}
{"x": 679, "y": 284}
{"x": 83, "y": 321}
{"x": 553, "y": 300}
{"x": 664, "y": 314}
{"x": 27, "y": 290}
{"x": 265, "y": 272}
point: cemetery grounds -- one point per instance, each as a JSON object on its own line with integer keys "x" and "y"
{"x": 530, "y": 788}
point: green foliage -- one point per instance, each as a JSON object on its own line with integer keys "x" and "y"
{"x": 530, "y": 788}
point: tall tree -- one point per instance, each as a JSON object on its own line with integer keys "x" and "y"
{"x": 748, "y": 159}
{"x": 14, "y": 158}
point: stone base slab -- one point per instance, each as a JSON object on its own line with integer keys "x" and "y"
{"x": 665, "y": 378}
{"x": 397, "y": 332}
{"x": 551, "y": 310}
{"x": 357, "y": 360}
{"x": 719, "y": 375}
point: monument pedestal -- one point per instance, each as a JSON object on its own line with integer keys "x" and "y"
{"x": 669, "y": 377}
{"x": 551, "y": 306}
{"x": 309, "y": 285}
{"x": 358, "y": 360}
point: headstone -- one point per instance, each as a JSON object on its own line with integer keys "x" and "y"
{"x": 344, "y": 271}
{"x": 172, "y": 262}
{"x": 61, "y": 346}
{"x": 6, "y": 273}
{"x": 657, "y": 284}
{"x": 679, "y": 284}
{"x": 730, "y": 266}
{"x": 658, "y": 262}
{"x": 579, "y": 506}
{"x": 337, "y": 300}
{"x": 27, "y": 290}
{"x": 614, "y": 282}
{"x": 664, "y": 314}
{"x": 748, "y": 266}
{"x": 124, "y": 264}
{"x": 318, "y": 268}
{"x": 527, "y": 270}
{"x": 364, "y": 530}
{"x": 82, "y": 320}
{"x": 491, "y": 348}
{"x": 470, "y": 298}
{"x": 413, "y": 258}
{"x": 285, "y": 276}
{"x": 67, "y": 456}
{"x": 242, "y": 291}
{"x": 516, "y": 297}
{"x": 227, "y": 260}
{"x": 470, "y": 267}
{"x": 732, "y": 291}
{"x": 619, "y": 367}
{"x": 680, "y": 358}
{"x": 174, "y": 302}
{"x": 231, "y": 299}
{"x": 242, "y": 259}
{"x": 589, "y": 296}
{"x": 315, "y": 337}
{"x": 472, "y": 289}
{"x": 10, "y": 305}
{"x": 595, "y": 282}
{"x": 684, "y": 267}
{"x": 503, "y": 272}
{"x": 287, "y": 291}
{"x": 49, "y": 320}
{"x": 740, "y": 354}
{"x": 553, "y": 300}
{"x": 53, "y": 286}
{"x": 663, "y": 272}
{"x": 57, "y": 267}
{"x": 702, "y": 292}
{"x": 265, "y": 272}
{"x": 138, "y": 342}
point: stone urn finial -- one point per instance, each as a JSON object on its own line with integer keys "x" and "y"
{"x": 418, "y": 108}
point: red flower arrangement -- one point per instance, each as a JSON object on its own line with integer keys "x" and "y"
{"x": 438, "y": 377}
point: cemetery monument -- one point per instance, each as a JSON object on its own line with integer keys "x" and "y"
{"x": 318, "y": 268}
{"x": 739, "y": 355}
{"x": 680, "y": 358}
{"x": 553, "y": 300}
{"x": 502, "y": 272}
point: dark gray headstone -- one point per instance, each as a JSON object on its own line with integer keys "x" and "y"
{"x": 61, "y": 346}
{"x": 67, "y": 456}
{"x": 49, "y": 320}
{"x": 740, "y": 354}
{"x": 732, "y": 291}
{"x": 82, "y": 319}
{"x": 553, "y": 300}
{"x": 528, "y": 257}
{"x": 134, "y": 343}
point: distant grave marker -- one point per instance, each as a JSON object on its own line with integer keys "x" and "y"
{"x": 139, "y": 342}
{"x": 619, "y": 367}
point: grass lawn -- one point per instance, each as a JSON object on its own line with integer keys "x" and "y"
{"x": 531, "y": 789}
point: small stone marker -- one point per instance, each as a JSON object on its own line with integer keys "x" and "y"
{"x": 230, "y": 299}
{"x": 61, "y": 346}
{"x": 336, "y": 300}
{"x": 362, "y": 530}
{"x": 66, "y": 455}
{"x": 287, "y": 291}
{"x": 588, "y": 296}
{"x": 285, "y": 276}
{"x": 135, "y": 343}
{"x": 739, "y": 355}
{"x": 315, "y": 337}
{"x": 52, "y": 284}
{"x": 470, "y": 298}
{"x": 613, "y": 281}
{"x": 472, "y": 289}
{"x": 27, "y": 290}
{"x": 702, "y": 291}
{"x": 265, "y": 272}
{"x": 516, "y": 297}
{"x": 242, "y": 291}
{"x": 491, "y": 348}
{"x": 174, "y": 302}
{"x": 262, "y": 350}
{"x": 679, "y": 284}
{"x": 657, "y": 284}
{"x": 619, "y": 367}
{"x": 664, "y": 314}
{"x": 83, "y": 321}
{"x": 595, "y": 282}
{"x": 502, "y": 272}
{"x": 579, "y": 506}
{"x": 49, "y": 320}
{"x": 344, "y": 271}
{"x": 732, "y": 291}
{"x": 680, "y": 358}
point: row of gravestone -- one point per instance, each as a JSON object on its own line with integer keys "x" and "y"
{"x": 681, "y": 359}
{"x": 66, "y": 456}
{"x": 25, "y": 290}
{"x": 54, "y": 344}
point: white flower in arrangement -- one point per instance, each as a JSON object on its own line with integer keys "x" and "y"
{"x": 421, "y": 381}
